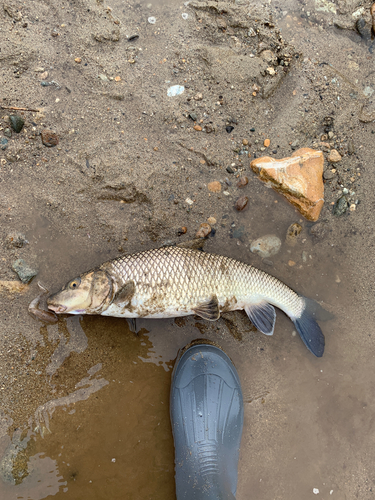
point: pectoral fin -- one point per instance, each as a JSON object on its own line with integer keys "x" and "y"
{"x": 262, "y": 316}
{"x": 125, "y": 293}
{"x": 208, "y": 310}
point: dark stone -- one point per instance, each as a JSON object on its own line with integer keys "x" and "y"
{"x": 252, "y": 129}
{"x": 230, "y": 170}
{"x": 229, "y": 128}
{"x": 17, "y": 123}
{"x": 341, "y": 206}
{"x": 3, "y": 143}
{"x": 328, "y": 175}
{"x": 327, "y": 123}
{"x": 133, "y": 38}
{"x": 8, "y": 132}
{"x": 24, "y": 271}
{"x": 193, "y": 116}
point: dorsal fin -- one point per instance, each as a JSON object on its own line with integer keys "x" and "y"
{"x": 262, "y": 316}
{"x": 208, "y": 310}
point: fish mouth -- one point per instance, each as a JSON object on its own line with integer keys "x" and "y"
{"x": 57, "y": 309}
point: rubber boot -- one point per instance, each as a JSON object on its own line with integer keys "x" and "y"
{"x": 206, "y": 410}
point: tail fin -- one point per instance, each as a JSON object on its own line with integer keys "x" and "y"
{"x": 308, "y": 328}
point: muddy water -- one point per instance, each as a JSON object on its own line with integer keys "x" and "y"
{"x": 106, "y": 433}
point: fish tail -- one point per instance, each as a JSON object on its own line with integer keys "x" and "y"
{"x": 308, "y": 329}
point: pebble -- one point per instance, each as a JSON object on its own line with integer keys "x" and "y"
{"x": 198, "y": 97}
{"x": 3, "y": 143}
{"x": 175, "y": 90}
{"x": 16, "y": 239}
{"x": 214, "y": 187}
{"x": 8, "y": 132}
{"x": 318, "y": 230}
{"x": 193, "y": 116}
{"x": 184, "y": 16}
{"x": 198, "y": 128}
{"x": 294, "y": 230}
{"x": 352, "y": 207}
{"x": 182, "y": 230}
{"x": 78, "y": 60}
{"x": 334, "y": 156}
{"x": 266, "y": 143}
{"x": 212, "y": 221}
{"x": 152, "y": 20}
{"x": 242, "y": 182}
{"x": 16, "y": 123}
{"x": 341, "y": 206}
{"x": 294, "y": 144}
{"x": 103, "y": 77}
{"x": 229, "y": 128}
{"x": 241, "y": 203}
{"x": 304, "y": 256}
{"x": 44, "y": 75}
{"x": 291, "y": 263}
{"x": 245, "y": 142}
{"x": 133, "y": 38}
{"x": 266, "y": 246}
{"x": 24, "y": 271}
{"x": 203, "y": 231}
{"x": 328, "y": 175}
{"x": 49, "y": 138}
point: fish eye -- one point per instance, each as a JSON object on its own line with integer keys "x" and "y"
{"x": 74, "y": 283}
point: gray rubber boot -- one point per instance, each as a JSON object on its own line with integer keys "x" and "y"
{"x": 207, "y": 418}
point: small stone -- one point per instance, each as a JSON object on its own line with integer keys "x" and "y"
{"x": 211, "y": 220}
{"x": 193, "y": 116}
{"x": 49, "y": 138}
{"x": 8, "y": 132}
{"x": 294, "y": 230}
{"x": 271, "y": 71}
{"x": 299, "y": 178}
{"x": 189, "y": 201}
{"x": 266, "y": 143}
{"x": 203, "y": 231}
{"x": 103, "y": 77}
{"x": 294, "y": 144}
{"x": 242, "y": 182}
{"x": 24, "y": 271}
{"x": 152, "y": 20}
{"x": 3, "y": 143}
{"x": 245, "y": 142}
{"x": 44, "y": 75}
{"x": 16, "y": 123}
{"x": 117, "y": 78}
{"x": 341, "y": 206}
{"x": 241, "y": 203}
{"x": 266, "y": 246}
{"x": 351, "y": 147}
{"x": 198, "y": 97}
{"x": 209, "y": 129}
{"x": 16, "y": 239}
{"x": 78, "y": 60}
{"x": 330, "y": 134}
{"x": 304, "y": 256}
{"x": 197, "y": 127}
{"x": 352, "y": 207}
{"x": 214, "y": 187}
{"x": 229, "y": 128}
{"x": 328, "y": 175}
{"x": 182, "y": 230}
{"x": 318, "y": 230}
{"x": 230, "y": 170}
{"x": 291, "y": 263}
{"x": 334, "y": 156}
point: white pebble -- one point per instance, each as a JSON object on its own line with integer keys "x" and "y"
{"x": 185, "y": 16}
{"x": 152, "y": 20}
{"x": 315, "y": 491}
{"x": 189, "y": 201}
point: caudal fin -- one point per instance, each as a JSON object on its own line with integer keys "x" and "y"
{"x": 308, "y": 328}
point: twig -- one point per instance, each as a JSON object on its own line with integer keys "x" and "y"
{"x": 19, "y": 109}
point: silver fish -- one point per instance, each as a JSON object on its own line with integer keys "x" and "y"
{"x": 173, "y": 281}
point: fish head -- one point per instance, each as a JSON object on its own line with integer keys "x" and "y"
{"x": 89, "y": 293}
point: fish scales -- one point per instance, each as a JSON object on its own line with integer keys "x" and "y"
{"x": 177, "y": 280}
{"x": 174, "y": 281}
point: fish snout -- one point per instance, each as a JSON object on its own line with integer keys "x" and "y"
{"x": 57, "y": 309}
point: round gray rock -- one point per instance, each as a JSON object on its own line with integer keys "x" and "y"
{"x": 266, "y": 246}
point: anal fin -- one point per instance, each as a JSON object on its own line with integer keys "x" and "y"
{"x": 208, "y": 310}
{"x": 262, "y": 316}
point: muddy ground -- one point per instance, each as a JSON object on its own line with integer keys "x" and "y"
{"x": 84, "y": 403}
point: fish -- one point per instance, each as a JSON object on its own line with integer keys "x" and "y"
{"x": 171, "y": 281}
